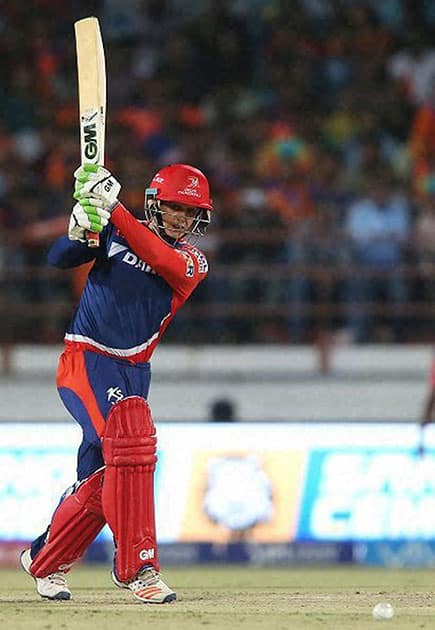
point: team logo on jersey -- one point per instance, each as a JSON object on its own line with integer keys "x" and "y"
{"x": 129, "y": 257}
{"x": 114, "y": 394}
{"x": 202, "y": 260}
{"x": 136, "y": 262}
{"x": 190, "y": 267}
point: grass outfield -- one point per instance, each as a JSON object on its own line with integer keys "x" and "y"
{"x": 228, "y": 598}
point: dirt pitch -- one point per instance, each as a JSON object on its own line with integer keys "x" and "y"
{"x": 228, "y": 598}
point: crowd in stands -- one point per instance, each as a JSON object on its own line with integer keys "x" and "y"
{"x": 313, "y": 119}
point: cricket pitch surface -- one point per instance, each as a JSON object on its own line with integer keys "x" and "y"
{"x": 228, "y": 598}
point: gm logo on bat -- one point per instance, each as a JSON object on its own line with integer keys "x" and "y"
{"x": 90, "y": 137}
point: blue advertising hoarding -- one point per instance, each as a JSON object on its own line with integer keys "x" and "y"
{"x": 254, "y": 484}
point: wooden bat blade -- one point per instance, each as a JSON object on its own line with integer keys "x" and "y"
{"x": 91, "y": 73}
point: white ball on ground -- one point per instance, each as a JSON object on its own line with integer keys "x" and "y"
{"x": 383, "y": 610}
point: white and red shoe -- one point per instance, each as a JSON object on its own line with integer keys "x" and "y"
{"x": 54, "y": 586}
{"x": 148, "y": 587}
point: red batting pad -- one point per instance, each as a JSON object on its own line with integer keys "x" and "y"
{"x": 129, "y": 450}
{"x": 75, "y": 524}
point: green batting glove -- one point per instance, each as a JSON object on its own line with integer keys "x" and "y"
{"x": 82, "y": 175}
{"x": 92, "y": 217}
{"x": 96, "y": 182}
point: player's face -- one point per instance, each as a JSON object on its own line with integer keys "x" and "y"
{"x": 177, "y": 218}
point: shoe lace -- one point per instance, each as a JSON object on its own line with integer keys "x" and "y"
{"x": 57, "y": 578}
{"x": 147, "y": 577}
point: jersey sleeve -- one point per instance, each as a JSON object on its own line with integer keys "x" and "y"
{"x": 65, "y": 253}
{"x": 183, "y": 269}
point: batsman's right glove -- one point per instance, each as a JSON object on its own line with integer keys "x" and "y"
{"x": 86, "y": 217}
{"x": 95, "y": 185}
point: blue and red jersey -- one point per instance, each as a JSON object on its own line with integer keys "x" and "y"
{"x": 135, "y": 287}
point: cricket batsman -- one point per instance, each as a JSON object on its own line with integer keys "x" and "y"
{"x": 142, "y": 274}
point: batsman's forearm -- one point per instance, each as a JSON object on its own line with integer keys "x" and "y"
{"x": 66, "y": 254}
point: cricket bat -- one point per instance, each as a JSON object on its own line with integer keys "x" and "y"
{"x": 91, "y": 74}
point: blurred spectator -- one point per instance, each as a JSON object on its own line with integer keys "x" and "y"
{"x": 223, "y": 410}
{"x": 378, "y": 226}
{"x": 424, "y": 234}
{"x": 288, "y": 106}
{"x": 316, "y": 253}
{"x": 422, "y": 140}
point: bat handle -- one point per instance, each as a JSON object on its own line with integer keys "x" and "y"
{"x": 93, "y": 239}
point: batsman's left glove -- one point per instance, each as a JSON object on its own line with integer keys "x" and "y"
{"x": 86, "y": 217}
{"x": 96, "y": 186}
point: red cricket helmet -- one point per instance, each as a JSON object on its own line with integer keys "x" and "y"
{"x": 180, "y": 184}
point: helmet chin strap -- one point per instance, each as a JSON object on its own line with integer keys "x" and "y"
{"x": 167, "y": 238}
